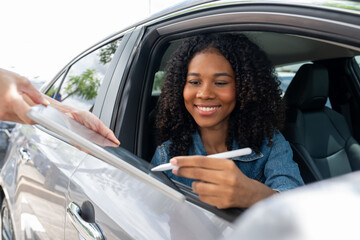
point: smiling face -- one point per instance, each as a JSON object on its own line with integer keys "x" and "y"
{"x": 209, "y": 92}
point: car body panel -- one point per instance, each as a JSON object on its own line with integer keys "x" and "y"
{"x": 37, "y": 175}
{"x": 138, "y": 214}
{"x": 5, "y": 131}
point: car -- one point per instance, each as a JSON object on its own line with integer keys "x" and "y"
{"x": 52, "y": 190}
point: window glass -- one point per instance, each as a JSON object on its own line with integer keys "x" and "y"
{"x": 286, "y": 73}
{"x": 158, "y": 82}
{"x": 159, "y": 75}
{"x": 357, "y": 59}
{"x": 55, "y": 88}
{"x": 84, "y": 78}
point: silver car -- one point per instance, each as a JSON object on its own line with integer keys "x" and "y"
{"x": 52, "y": 190}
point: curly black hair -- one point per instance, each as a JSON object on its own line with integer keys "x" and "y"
{"x": 259, "y": 109}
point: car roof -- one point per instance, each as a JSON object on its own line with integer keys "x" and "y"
{"x": 189, "y": 6}
{"x": 286, "y": 48}
{"x": 281, "y": 48}
{"x": 293, "y": 48}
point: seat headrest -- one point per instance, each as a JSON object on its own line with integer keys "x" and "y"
{"x": 309, "y": 88}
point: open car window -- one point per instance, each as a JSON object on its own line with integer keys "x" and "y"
{"x": 287, "y": 72}
{"x": 357, "y": 59}
{"x": 285, "y": 69}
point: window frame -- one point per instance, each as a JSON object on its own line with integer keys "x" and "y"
{"x": 63, "y": 73}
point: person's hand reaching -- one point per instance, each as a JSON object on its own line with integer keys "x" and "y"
{"x": 17, "y": 94}
{"x": 13, "y": 87}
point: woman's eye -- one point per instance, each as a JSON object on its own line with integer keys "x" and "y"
{"x": 222, "y": 83}
{"x": 194, "y": 82}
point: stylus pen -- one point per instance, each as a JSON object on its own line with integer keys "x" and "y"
{"x": 229, "y": 154}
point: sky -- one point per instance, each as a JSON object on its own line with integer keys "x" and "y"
{"x": 39, "y": 37}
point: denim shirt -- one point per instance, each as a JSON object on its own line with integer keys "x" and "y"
{"x": 273, "y": 166}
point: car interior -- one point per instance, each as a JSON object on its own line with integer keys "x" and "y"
{"x": 320, "y": 137}
{"x": 323, "y": 104}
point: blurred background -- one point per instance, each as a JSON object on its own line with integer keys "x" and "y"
{"x": 39, "y": 37}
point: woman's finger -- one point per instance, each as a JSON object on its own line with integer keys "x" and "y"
{"x": 202, "y": 174}
{"x": 223, "y": 177}
{"x": 216, "y": 201}
{"x": 21, "y": 108}
{"x": 206, "y": 188}
{"x": 27, "y": 88}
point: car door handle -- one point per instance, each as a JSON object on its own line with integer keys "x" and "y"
{"x": 24, "y": 155}
{"x": 88, "y": 230}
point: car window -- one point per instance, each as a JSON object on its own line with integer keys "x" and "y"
{"x": 83, "y": 79}
{"x": 286, "y": 73}
{"x": 159, "y": 75}
{"x": 158, "y": 82}
{"x": 357, "y": 59}
{"x": 53, "y": 91}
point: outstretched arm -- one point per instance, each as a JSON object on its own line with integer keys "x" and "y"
{"x": 12, "y": 89}
{"x": 17, "y": 94}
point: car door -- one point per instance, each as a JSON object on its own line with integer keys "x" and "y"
{"x": 41, "y": 162}
{"x": 37, "y": 174}
{"x": 123, "y": 206}
{"x": 108, "y": 201}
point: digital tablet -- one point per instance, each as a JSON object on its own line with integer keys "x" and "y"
{"x": 91, "y": 142}
{"x": 65, "y": 126}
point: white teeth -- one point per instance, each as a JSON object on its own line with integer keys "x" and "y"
{"x": 207, "y": 109}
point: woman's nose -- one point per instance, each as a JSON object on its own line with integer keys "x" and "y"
{"x": 205, "y": 92}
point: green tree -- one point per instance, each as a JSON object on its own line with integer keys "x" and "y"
{"x": 158, "y": 81}
{"x": 107, "y": 52}
{"x": 51, "y": 91}
{"x": 86, "y": 85}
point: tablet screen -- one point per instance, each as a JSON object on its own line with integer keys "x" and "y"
{"x": 56, "y": 121}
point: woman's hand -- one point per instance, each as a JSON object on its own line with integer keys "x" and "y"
{"x": 221, "y": 183}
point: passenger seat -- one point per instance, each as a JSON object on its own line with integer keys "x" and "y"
{"x": 320, "y": 137}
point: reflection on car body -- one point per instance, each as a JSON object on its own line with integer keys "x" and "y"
{"x": 43, "y": 174}
{"x": 5, "y": 131}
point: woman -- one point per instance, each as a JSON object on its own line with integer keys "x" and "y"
{"x": 220, "y": 93}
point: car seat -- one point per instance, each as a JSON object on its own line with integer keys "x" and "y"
{"x": 319, "y": 136}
